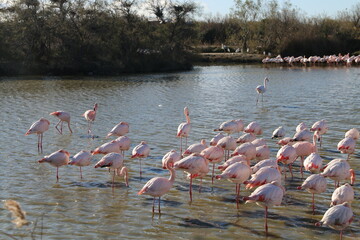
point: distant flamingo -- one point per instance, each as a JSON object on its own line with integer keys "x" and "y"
{"x": 246, "y": 149}
{"x": 266, "y": 196}
{"x": 141, "y": 151}
{"x": 158, "y": 186}
{"x": 261, "y": 89}
{"x": 264, "y": 163}
{"x": 287, "y": 155}
{"x": 236, "y": 173}
{"x": 321, "y": 128}
{"x": 254, "y": 128}
{"x": 247, "y": 137}
{"x": 342, "y": 194}
{"x": 215, "y": 139}
{"x": 278, "y": 133}
{"x": 262, "y": 176}
{"x": 227, "y": 143}
{"x": 195, "y": 148}
{"x": 57, "y": 159}
{"x": 115, "y": 162}
{"x": 214, "y": 154}
{"x": 232, "y": 160}
{"x": 121, "y": 129}
{"x": 196, "y": 165}
{"x": 64, "y": 117}
{"x": 81, "y": 159}
{"x": 231, "y": 126}
{"x": 337, "y": 170}
{"x": 90, "y": 116}
{"x": 315, "y": 183}
{"x": 184, "y": 128}
{"x": 39, "y": 127}
{"x": 170, "y": 158}
{"x": 353, "y": 133}
{"x": 347, "y": 145}
{"x": 337, "y": 217}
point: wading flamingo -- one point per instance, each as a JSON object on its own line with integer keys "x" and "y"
{"x": 158, "y": 186}
{"x": 287, "y": 155}
{"x": 353, "y": 133}
{"x": 247, "y": 137}
{"x": 262, "y": 176}
{"x": 124, "y": 144}
{"x": 170, "y": 158}
{"x": 278, "y": 133}
{"x": 214, "y": 154}
{"x": 347, "y": 146}
{"x": 81, "y": 159}
{"x": 264, "y": 163}
{"x": 342, "y": 194}
{"x": 321, "y": 128}
{"x": 261, "y": 89}
{"x": 253, "y": 127}
{"x": 246, "y": 149}
{"x": 90, "y": 116}
{"x": 231, "y": 126}
{"x": 120, "y": 129}
{"x": 141, "y": 151}
{"x": 39, "y": 127}
{"x": 195, "y": 148}
{"x": 57, "y": 159}
{"x": 232, "y": 160}
{"x": 106, "y": 148}
{"x": 227, "y": 143}
{"x": 184, "y": 128}
{"x": 215, "y": 139}
{"x": 63, "y": 117}
{"x": 337, "y": 170}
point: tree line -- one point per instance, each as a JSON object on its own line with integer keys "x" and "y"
{"x": 60, "y": 37}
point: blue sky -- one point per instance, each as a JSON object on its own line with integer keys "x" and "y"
{"x": 310, "y": 7}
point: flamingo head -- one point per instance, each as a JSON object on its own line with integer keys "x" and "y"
{"x": 55, "y": 113}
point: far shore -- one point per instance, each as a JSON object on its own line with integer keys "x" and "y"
{"x": 227, "y": 58}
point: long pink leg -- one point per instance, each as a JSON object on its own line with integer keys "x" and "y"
{"x": 313, "y": 204}
{"x": 41, "y": 139}
{"x": 56, "y": 126}
{"x": 301, "y": 167}
{"x": 290, "y": 169}
{"x": 153, "y": 208}
{"x": 69, "y": 127}
{"x": 159, "y": 206}
{"x": 140, "y": 167}
{"x": 180, "y": 145}
{"x": 39, "y": 142}
{"x": 213, "y": 171}
{"x": 113, "y": 179}
{"x": 190, "y": 189}
{"x": 341, "y": 234}
{"x": 237, "y": 195}
{"x": 266, "y": 216}
{"x": 57, "y": 174}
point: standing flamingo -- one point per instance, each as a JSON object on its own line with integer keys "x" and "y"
{"x": 196, "y": 165}
{"x": 264, "y": 163}
{"x": 301, "y": 126}
{"x": 81, "y": 159}
{"x": 237, "y": 173}
{"x": 141, "y": 151}
{"x": 342, "y": 194}
{"x": 353, "y": 133}
{"x": 321, "y": 128}
{"x": 266, "y": 196}
{"x": 227, "y": 143}
{"x": 214, "y": 154}
{"x": 184, "y": 128}
{"x": 195, "y": 148}
{"x": 57, "y": 159}
{"x": 170, "y": 158}
{"x": 231, "y": 126}
{"x": 124, "y": 143}
{"x": 120, "y": 129}
{"x": 302, "y": 135}
{"x": 313, "y": 163}
{"x": 347, "y": 145}
{"x": 287, "y": 155}
{"x": 39, "y": 127}
{"x": 262, "y": 152}
{"x": 106, "y": 148}
{"x": 247, "y": 137}
{"x": 90, "y": 116}
{"x": 337, "y": 170}
{"x": 246, "y": 149}
{"x": 232, "y": 160}
{"x": 114, "y": 161}
{"x": 261, "y": 89}
{"x": 315, "y": 183}
{"x": 253, "y": 127}
{"x": 215, "y": 139}
{"x": 158, "y": 186}
{"x": 278, "y": 133}
{"x": 262, "y": 176}
{"x": 285, "y": 141}
{"x": 337, "y": 217}
{"x": 63, "y": 117}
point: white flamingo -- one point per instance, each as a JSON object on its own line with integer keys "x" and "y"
{"x": 261, "y": 89}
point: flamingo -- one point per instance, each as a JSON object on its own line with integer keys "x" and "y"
{"x": 246, "y": 149}
{"x": 121, "y": 129}
{"x": 353, "y": 133}
{"x": 313, "y": 163}
{"x": 195, "y": 165}
{"x": 215, "y": 139}
{"x": 315, "y": 183}
{"x": 347, "y": 145}
{"x": 287, "y": 155}
{"x": 321, "y": 128}
{"x": 285, "y": 141}
{"x": 302, "y": 135}
{"x": 108, "y": 147}
{"x": 254, "y": 128}
{"x": 90, "y": 116}
{"x": 81, "y": 159}
{"x": 262, "y": 176}
{"x": 262, "y": 152}
{"x": 301, "y": 126}
{"x": 170, "y": 158}
{"x": 266, "y": 196}
{"x": 195, "y": 148}
{"x": 63, "y": 117}
{"x": 261, "y": 89}
{"x": 259, "y": 142}
{"x": 57, "y": 159}
{"x": 278, "y": 133}
{"x": 213, "y": 154}
{"x": 227, "y": 143}
{"x": 231, "y": 126}
{"x": 184, "y": 128}
{"x": 141, "y": 151}
{"x": 247, "y": 137}
{"x": 264, "y": 163}
{"x": 124, "y": 143}
{"x": 114, "y": 161}
{"x": 337, "y": 170}
{"x": 232, "y": 160}
{"x": 237, "y": 173}
{"x": 39, "y": 127}
{"x": 158, "y": 186}
{"x": 337, "y": 217}
{"x": 342, "y": 194}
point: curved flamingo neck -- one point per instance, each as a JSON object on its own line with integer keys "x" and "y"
{"x": 314, "y": 141}
{"x": 124, "y": 171}
{"x": 172, "y": 174}
{"x": 265, "y": 80}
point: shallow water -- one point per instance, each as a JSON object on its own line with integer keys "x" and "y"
{"x": 153, "y": 105}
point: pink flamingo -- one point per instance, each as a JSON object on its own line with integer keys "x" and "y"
{"x": 247, "y": 137}
{"x": 141, "y": 151}
{"x": 353, "y": 133}
{"x": 90, "y": 116}
{"x": 254, "y": 128}
{"x": 258, "y": 142}
{"x": 108, "y": 147}
{"x": 120, "y": 129}
{"x": 278, "y": 133}
{"x": 342, "y": 194}
{"x": 261, "y": 89}
{"x": 262, "y": 152}
{"x": 81, "y": 159}
{"x": 264, "y": 163}
{"x": 321, "y": 128}
{"x": 215, "y": 139}
{"x": 214, "y": 154}
{"x": 124, "y": 143}
{"x": 315, "y": 183}
{"x": 195, "y": 165}
{"x": 337, "y": 217}
{"x": 170, "y": 158}
{"x": 232, "y": 160}
{"x": 57, "y": 159}
{"x": 287, "y": 155}
{"x": 313, "y": 163}
{"x": 236, "y": 173}
{"x": 195, "y": 148}
{"x": 115, "y": 162}
{"x": 337, "y": 170}
{"x": 301, "y": 126}
{"x": 184, "y": 128}
{"x": 303, "y": 135}
{"x": 285, "y": 141}
{"x": 231, "y": 126}
{"x": 39, "y": 127}
{"x": 158, "y": 186}
{"x": 262, "y": 176}
{"x": 63, "y": 117}
{"x": 246, "y": 149}
{"x": 347, "y": 146}
{"x": 227, "y": 143}
{"x": 266, "y": 196}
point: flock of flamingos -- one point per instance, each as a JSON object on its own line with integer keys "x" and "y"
{"x": 239, "y": 154}
{"x": 329, "y": 59}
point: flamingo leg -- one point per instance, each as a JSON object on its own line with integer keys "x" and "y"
{"x": 140, "y": 167}
{"x": 56, "y": 126}
{"x": 190, "y": 188}
{"x": 290, "y": 169}
{"x": 301, "y": 166}
{"x": 113, "y": 180}
{"x": 266, "y": 216}
{"x": 57, "y": 174}
{"x": 69, "y": 127}
{"x": 41, "y": 139}
{"x": 212, "y": 176}
{"x": 200, "y": 187}
{"x": 153, "y": 208}
{"x": 237, "y": 195}
{"x": 180, "y": 145}
{"x": 80, "y": 173}
{"x": 341, "y": 234}
{"x": 38, "y": 142}
{"x": 313, "y": 203}
{"x": 61, "y": 126}
{"x": 159, "y": 207}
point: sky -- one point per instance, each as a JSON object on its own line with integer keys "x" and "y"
{"x": 311, "y": 8}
